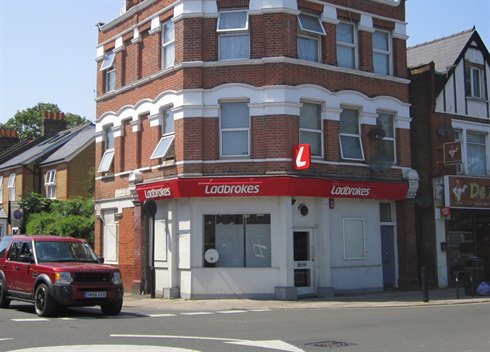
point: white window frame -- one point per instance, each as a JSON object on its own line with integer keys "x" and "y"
{"x": 304, "y": 130}
{"x": 11, "y": 187}
{"x": 168, "y": 135}
{"x": 387, "y": 137}
{"x": 346, "y": 237}
{"x": 108, "y": 157}
{"x": 50, "y": 184}
{"x": 484, "y": 158}
{"x": 350, "y": 46}
{"x": 380, "y": 52}
{"x": 1, "y": 185}
{"x": 110, "y": 71}
{"x": 232, "y": 32}
{"x": 225, "y": 130}
{"x": 168, "y": 44}
{"x": 356, "y": 136}
{"x": 480, "y": 85}
{"x": 310, "y": 33}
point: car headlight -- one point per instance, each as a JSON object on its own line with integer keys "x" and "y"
{"x": 63, "y": 278}
{"x": 116, "y": 278}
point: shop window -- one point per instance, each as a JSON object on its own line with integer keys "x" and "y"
{"x": 353, "y": 233}
{"x": 381, "y": 52}
{"x": 350, "y": 138}
{"x": 110, "y": 71}
{"x": 238, "y": 240}
{"x": 385, "y": 212}
{"x": 11, "y": 187}
{"x": 234, "y": 38}
{"x": 346, "y": 45}
{"x": 50, "y": 184}
{"x": 309, "y": 35}
{"x": 310, "y": 128}
{"x": 234, "y": 129}
{"x": 108, "y": 157}
{"x": 168, "y": 44}
{"x": 385, "y": 148}
{"x": 165, "y": 147}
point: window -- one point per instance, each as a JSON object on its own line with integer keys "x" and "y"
{"x": 234, "y": 38}
{"x": 385, "y": 148}
{"x": 309, "y": 34}
{"x": 385, "y": 213}
{"x": 240, "y": 240}
{"x": 110, "y": 71}
{"x": 476, "y": 153}
{"x": 346, "y": 45}
{"x": 165, "y": 148}
{"x": 475, "y": 82}
{"x": 350, "y": 138}
{"x": 11, "y": 187}
{"x": 381, "y": 52}
{"x": 168, "y": 44}
{"x": 1, "y": 185}
{"x": 108, "y": 157}
{"x": 353, "y": 232}
{"x": 310, "y": 127}
{"x": 235, "y": 129}
{"x": 50, "y": 184}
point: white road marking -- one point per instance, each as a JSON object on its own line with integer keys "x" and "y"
{"x": 6, "y": 338}
{"x": 161, "y": 315}
{"x": 68, "y": 319}
{"x": 197, "y": 313}
{"x": 231, "y": 311}
{"x": 270, "y": 344}
{"x": 30, "y": 319}
{"x": 105, "y": 348}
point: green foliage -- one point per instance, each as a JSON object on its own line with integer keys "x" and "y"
{"x": 27, "y": 122}
{"x": 73, "y": 217}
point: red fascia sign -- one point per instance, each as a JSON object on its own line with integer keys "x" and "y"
{"x": 270, "y": 186}
{"x": 302, "y": 157}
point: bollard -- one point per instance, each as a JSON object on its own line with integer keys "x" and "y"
{"x": 423, "y": 278}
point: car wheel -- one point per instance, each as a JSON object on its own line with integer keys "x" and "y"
{"x": 112, "y": 308}
{"x": 43, "y": 302}
{"x": 4, "y": 302}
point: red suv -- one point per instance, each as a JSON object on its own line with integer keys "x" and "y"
{"x": 53, "y": 271}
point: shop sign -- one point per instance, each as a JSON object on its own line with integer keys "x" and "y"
{"x": 446, "y": 213}
{"x": 467, "y": 192}
{"x": 452, "y": 153}
{"x": 271, "y": 186}
{"x": 302, "y": 157}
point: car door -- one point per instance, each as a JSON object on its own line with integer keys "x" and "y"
{"x": 24, "y": 274}
{"x": 9, "y": 266}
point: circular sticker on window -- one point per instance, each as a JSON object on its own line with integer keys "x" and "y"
{"x": 211, "y": 256}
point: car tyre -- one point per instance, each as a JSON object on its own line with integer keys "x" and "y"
{"x": 4, "y": 301}
{"x": 112, "y": 308}
{"x": 44, "y": 304}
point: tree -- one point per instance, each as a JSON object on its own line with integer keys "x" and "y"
{"x": 27, "y": 122}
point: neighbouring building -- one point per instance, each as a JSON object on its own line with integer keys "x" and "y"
{"x": 58, "y": 165}
{"x": 207, "y": 112}
{"x": 451, "y": 139}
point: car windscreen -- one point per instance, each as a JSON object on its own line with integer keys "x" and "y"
{"x": 64, "y": 251}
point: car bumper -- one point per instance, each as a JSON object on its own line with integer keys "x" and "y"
{"x": 86, "y": 295}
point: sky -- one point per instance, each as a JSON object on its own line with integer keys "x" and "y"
{"x": 48, "y": 47}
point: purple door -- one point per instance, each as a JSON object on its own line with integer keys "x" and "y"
{"x": 388, "y": 256}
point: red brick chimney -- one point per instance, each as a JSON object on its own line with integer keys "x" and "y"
{"x": 8, "y": 137}
{"x": 53, "y": 123}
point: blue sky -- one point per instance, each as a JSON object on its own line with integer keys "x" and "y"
{"x": 47, "y": 47}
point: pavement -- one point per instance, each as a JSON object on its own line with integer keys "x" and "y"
{"x": 394, "y": 298}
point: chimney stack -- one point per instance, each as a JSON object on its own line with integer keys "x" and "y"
{"x": 8, "y": 137}
{"x": 53, "y": 123}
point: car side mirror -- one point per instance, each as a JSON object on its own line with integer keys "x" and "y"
{"x": 26, "y": 258}
{"x": 101, "y": 260}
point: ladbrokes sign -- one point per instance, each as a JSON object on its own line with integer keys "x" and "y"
{"x": 271, "y": 186}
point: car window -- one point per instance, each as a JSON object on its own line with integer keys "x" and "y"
{"x": 14, "y": 251}
{"x": 4, "y": 242}
{"x": 62, "y": 251}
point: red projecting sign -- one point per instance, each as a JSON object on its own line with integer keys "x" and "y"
{"x": 302, "y": 157}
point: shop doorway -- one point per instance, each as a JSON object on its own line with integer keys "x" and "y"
{"x": 388, "y": 256}
{"x": 303, "y": 262}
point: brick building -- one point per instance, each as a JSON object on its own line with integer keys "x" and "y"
{"x": 58, "y": 165}
{"x": 451, "y": 129}
{"x": 200, "y": 105}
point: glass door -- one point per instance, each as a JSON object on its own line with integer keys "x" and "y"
{"x": 303, "y": 262}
